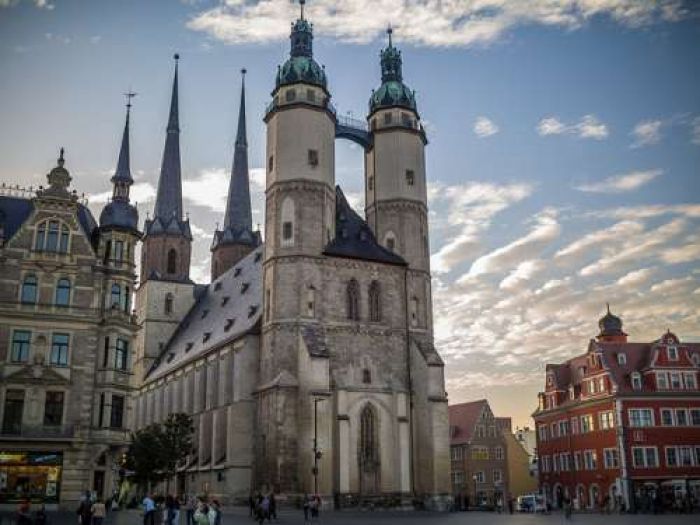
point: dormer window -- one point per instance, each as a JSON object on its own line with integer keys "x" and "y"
{"x": 550, "y": 381}
{"x": 636, "y": 379}
{"x": 258, "y": 257}
{"x": 244, "y": 288}
{"x": 252, "y": 310}
{"x": 189, "y": 346}
{"x": 672, "y": 352}
{"x": 225, "y": 300}
{"x": 236, "y": 272}
{"x": 205, "y": 313}
{"x": 621, "y": 358}
{"x": 206, "y": 337}
{"x": 229, "y": 324}
{"x": 217, "y": 286}
{"x": 52, "y": 236}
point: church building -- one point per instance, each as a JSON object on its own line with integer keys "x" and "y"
{"x": 308, "y": 362}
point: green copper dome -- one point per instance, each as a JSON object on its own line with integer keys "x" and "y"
{"x": 393, "y": 92}
{"x": 301, "y": 66}
{"x": 301, "y": 69}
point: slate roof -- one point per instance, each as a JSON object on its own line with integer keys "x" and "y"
{"x": 226, "y": 309}
{"x": 354, "y": 238}
{"x": 463, "y": 418}
{"x": 14, "y": 211}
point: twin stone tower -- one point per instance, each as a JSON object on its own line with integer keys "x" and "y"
{"x": 308, "y": 363}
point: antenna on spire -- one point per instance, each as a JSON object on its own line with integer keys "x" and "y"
{"x": 389, "y": 32}
{"x": 129, "y": 95}
{"x": 176, "y": 56}
{"x": 243, "y": 72}
{"x": 301, "y": 5}
{"x": 608, "y": 305}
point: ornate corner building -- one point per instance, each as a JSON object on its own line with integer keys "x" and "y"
{"x": 307, "y": 363}
{"x": 620, "y": 424}
{"x": 66, "y": 336}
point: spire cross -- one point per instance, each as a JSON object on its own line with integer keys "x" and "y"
{"x": 301, "y": 5}
{"x": 389, "y": 32}
{"x": 61, "y": 160}
{"x": 129, "y": 95}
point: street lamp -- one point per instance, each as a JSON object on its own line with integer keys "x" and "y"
{"x": 316, "y": 451}
{"x": 474, "y": 477}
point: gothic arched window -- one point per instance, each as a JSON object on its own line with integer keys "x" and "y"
{"x": 369, "y": 450}
{"x": 375, "y": 310}
{"x": 62, "y": 292}
{"x": 29, "y": 289}
{"x": 172, "y": 261}
{"x": 353, "y": 293}
{"x": 169, "y": 303}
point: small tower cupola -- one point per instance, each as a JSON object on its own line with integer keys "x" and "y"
{"x": 59, "y": 179}
{"x": 120, "y": 213}
{"x": 301, "y": 67}
{"x": 393, "y": 92}
{"x": 610, "y": 327}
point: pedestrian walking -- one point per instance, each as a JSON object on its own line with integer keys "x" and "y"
{"x": 99, "y": 511}
{"x": 201, "y": 515}
{"x": 273, "y": 506}
{"x": 85, "y": 510}
{"x": 190, "y": 507}
{"x": 306, "y": 504}
{"x": 149, "y": 510}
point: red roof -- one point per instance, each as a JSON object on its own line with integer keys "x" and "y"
{"x": 463, "y": 418}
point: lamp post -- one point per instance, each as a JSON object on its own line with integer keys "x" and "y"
{"x": 317, "y": 452}
{"x": 474, "y": 477}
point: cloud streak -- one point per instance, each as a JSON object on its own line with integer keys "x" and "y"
{"x": 484, "y": 127}
{"x": 448, "y": 23}
{"x": 589, "y": 127}
{"x": 621, "y": 183}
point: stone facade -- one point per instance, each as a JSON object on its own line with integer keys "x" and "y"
{"x": 66, "y": 342}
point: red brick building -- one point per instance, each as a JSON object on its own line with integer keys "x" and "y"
{"x": 621, "y": 423}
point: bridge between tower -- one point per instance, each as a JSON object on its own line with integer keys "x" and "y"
{"x": 353, "y": 129}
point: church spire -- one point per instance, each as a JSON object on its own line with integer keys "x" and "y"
{"x": 169, "y": 197}
{"x": 122, "y": 177}
{"x": 237, "y": 238}
{"x": 238, "y": 214}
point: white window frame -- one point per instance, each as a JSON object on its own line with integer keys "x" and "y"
{"x": 661, "y": 381}
{"x": 607, "y": 422}
{"x": 630, "y": 411}
{"x": 590, "y": 459}
{"x": 678, "y": 420}
{"x": 677, "y": 375}
{"x": 661, "y": 417}
{"x": 694, "y": 421}
{"x": 636, "y": 380}
{"x": 621, "y": 358}
{"x": 645, "y": 457}
{"x": 591, "y": 427}
{"x": 611, "y": 459}
{"x": 693, "y": 383}
{"x": 672, "y": 353}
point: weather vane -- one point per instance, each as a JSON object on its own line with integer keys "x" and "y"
{"x": 129, "y": 95}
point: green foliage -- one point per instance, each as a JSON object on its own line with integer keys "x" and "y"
{"x": 156, "y": 450}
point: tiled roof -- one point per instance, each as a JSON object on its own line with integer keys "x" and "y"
{"x": 212, "y": 321}
{"x": 463, "y": 418}
{"x": 354, "y": 238}
{"x": 14, "y": 211}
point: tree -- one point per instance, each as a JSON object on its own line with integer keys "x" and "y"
{"x": 146, "y": 456}
{"x": 177, "y": 441}
{"x": 157, "y": 450}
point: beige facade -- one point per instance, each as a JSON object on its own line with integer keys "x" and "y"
{"x": 66, "y": 342}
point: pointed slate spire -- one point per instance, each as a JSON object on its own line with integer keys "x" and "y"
{"x": 169, "y": 197}
{"x": 122, "y": 178}
{"x": 238, "y": 213}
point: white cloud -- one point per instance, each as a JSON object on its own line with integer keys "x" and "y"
{"x": 466, "y": 210}
{"x": 40, "y": 4}
{"x": 636, "y": 277}
{"x": 198, "y": 232}
{"x": 484, "y": 127}
{"x": 422, "y": 22}
{"x": 621, "y": 183}
{"x": 589, "y": 127}
{"x": 550, "y": 126}
{"x": 209, "y": 189}
{"x": 649, "y": 211}
{"x": 646, "y": 133}
{"x": 140, "y": 193}
{"x": 681, "y": 254}
{"x": 522, "y": 273}
{"x": 544, "y": 231}
{"x": 614, "y": 233}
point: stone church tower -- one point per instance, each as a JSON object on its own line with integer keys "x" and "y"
{"x": 166, "y": 292}
{"x": 351, "y": 402}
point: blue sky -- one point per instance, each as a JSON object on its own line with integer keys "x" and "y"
{"x": 563, "y": 156}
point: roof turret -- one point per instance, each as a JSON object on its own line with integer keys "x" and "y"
{"x": 120, "y": 213}
{"x": 393, "y": 92}
{"x": 301, "y": 66}
{"x": 610, "y": 325}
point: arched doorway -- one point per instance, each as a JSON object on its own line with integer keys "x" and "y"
{"x": 558, "y": 494}
{"x": 368, "y": 453}
{"x": 581, "y": 499}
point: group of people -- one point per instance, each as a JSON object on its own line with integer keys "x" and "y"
{"x": 25, "y": 516}
{"x": 262, "y": 507}
{"x": 159, "y": 510}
